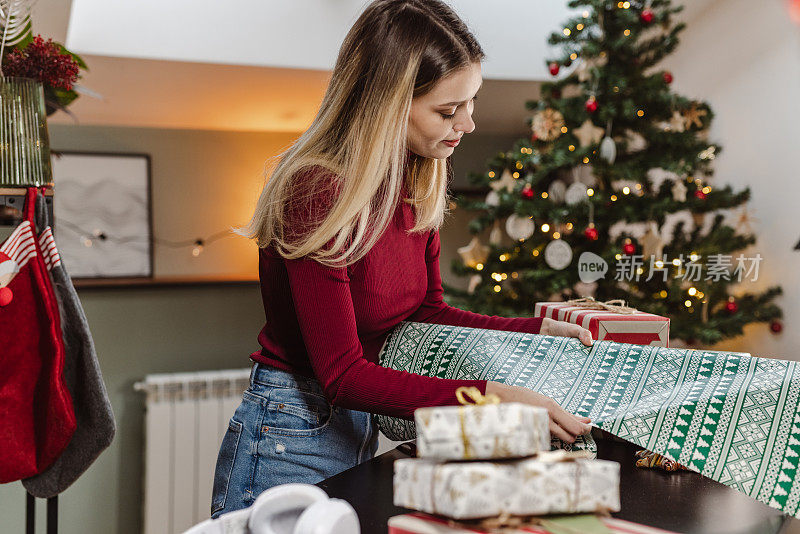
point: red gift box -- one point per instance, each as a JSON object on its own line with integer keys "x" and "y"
{"x": 418, "y": 523}
{"x": 609, "y": 322}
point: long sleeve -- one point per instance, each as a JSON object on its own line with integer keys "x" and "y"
{"x": 327, "y": 321}
{"x": 435, "y": 310}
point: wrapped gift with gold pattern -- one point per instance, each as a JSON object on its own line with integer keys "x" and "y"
{"x": 532, "y": 486}
{"x": 485, "y": 430}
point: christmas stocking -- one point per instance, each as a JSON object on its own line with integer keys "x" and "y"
{"x": 95, "y": 419}
{"x": 36, "y": 416}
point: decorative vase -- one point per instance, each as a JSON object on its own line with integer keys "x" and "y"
{"x": 24, "y": 141}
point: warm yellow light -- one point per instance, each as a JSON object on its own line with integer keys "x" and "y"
{"x": 676, "y": 262}
{"x": 639, "y": 270}
{"x": 496, "y": 276}
{"x": 590, "y": 192}
{"x": 586, "y": 160}
{"x": 663, "y": 294}
{"x": 579, "y": 27}
{"x": 567, "y": 32}
{"x": 626, "y": 5}
{"x": 479, "y": 267}
{"x": 618, "y": 256}
{"x": 626, "y": 190}
{"x": 700, "y": 294}
{"x": 535, "y": 253}
{"x": 640, "y": 113}
{"x": 627, "y": 33}
{"x": 515, "y": 175}
{"x": 556, "y": 235}
{"x": 659, "y": 264}
{"x": 491, "y": 174}
{"x": 638, "y": 186}
{"x": 616, "y": 89}
{"x": 688, "y": 303}
{"x": 706, "y": 190}
{"x": 519, "y": 164}
{"x": 503, "y": 257}
{"x": 569, "y": 226}
{"x": 563, "y": 129}
{"x": 585, "y": 14}
{"x": 545, "y": 228}
{"x": 694, "y": 257}
{"x": 571, "y": 148}
{"x": 515, "y": 274}
{"x": 613, "y": 198}
{"x": 692, "y": 290}
{"x": 503, "y": 276}
{"x": 544, "y": 194}
{"x": 573, "y": 56}
{"x": 497, "y": 289}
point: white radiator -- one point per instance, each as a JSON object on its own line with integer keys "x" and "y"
{"x": 186, "y": 417}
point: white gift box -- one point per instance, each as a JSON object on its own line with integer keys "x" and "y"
{"x": 531, "y": 486}
{"x": 481, "y": 432}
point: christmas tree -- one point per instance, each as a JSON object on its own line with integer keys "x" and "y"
{"x": 611, "y": 196}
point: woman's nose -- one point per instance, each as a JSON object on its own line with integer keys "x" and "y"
{"x": 466, "y": 124}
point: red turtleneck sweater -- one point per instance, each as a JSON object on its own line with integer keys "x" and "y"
{"x": 330, "y": 323}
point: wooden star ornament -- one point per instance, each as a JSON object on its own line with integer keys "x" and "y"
{"x": 588, "y": 133}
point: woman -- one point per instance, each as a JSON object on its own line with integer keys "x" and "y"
{"x": 347, "y": 228}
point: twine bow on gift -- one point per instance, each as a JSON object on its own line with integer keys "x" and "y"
{"x": 472, "y": 395}
{"x": 614, "y": 306}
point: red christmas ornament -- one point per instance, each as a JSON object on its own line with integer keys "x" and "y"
{"x": 591, "y": 105}
{"x": 591, "y": 233}
{"x": 554, "y": 68}
{"x": 647, "y": 16}
{"x": 527, "y": 191}
{"x": 629, "y": 248}
{"x": 668, "y": 77}
{"x": 731, "y": 306}
{"x": 699, "y": 194}
{"x": 776, "y": 326}
{"x": 6, "y": 296}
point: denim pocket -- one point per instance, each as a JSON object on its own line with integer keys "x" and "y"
{"x": 222, "y": 473}
{"x": 295, "y": 412}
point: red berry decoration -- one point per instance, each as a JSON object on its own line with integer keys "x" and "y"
{"x": 647, "y": 16}
{"x": 6, "y": 296}
{"x": 668, "y": 77}
{"x": 591, "y": 105}
{"x": 554, "y": 68}
{"x": 527, "y": 191}
{"x": 629, "y": 248}
{"x": 591, "y": 233}
{"x": 43, "y": 60}
{"x": 776, "y": 326}
{"x": 699, "y": 194}
{"x": 731, "y": 306}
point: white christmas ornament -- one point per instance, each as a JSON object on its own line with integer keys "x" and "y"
{"x": 492, "y": 199}
{"x": 474, "y": 253}
{"x": 506, "y": 181}
{"x": 558, "y": 254}
{"x": 679, "y": 191}
{"x": 588, "y": 133}
{"x": 557, "y": 191}
{"x": 676, "y": 122}
{"x": 576, "y": 193}
{"x": 651, "y": 242}
{"x": 474, "y": 281}
{"x": 519, "y": 228}
{"x": 608, "y": 149}
{"x": 496, "y": 235}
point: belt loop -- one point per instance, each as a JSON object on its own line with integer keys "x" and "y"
{"x": 253, "y": 373}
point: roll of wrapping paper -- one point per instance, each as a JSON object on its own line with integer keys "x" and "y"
{"x": 730, "y": 416}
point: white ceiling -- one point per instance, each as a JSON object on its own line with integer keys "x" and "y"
{"x": 170, "y": 65}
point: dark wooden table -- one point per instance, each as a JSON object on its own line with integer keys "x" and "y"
{"x": 683, "y": 501}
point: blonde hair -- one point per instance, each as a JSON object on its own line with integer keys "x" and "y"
{"x": 347, "y": 169}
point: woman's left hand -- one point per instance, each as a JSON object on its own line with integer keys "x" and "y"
{"x": 552, "y": 327}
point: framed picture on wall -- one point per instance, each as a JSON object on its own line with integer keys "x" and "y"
{"x": 102, "y": 214}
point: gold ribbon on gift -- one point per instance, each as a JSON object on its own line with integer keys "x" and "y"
{"x": 472, "y": 395}
{"x": 614, "y": 306}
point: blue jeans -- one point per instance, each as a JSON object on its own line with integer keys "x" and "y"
{"x": 285, "y": 431}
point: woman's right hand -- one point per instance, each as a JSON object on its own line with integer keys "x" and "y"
{"x": 563, "y": 424}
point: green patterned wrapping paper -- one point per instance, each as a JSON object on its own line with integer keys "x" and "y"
{"x": 730, "y": 416}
